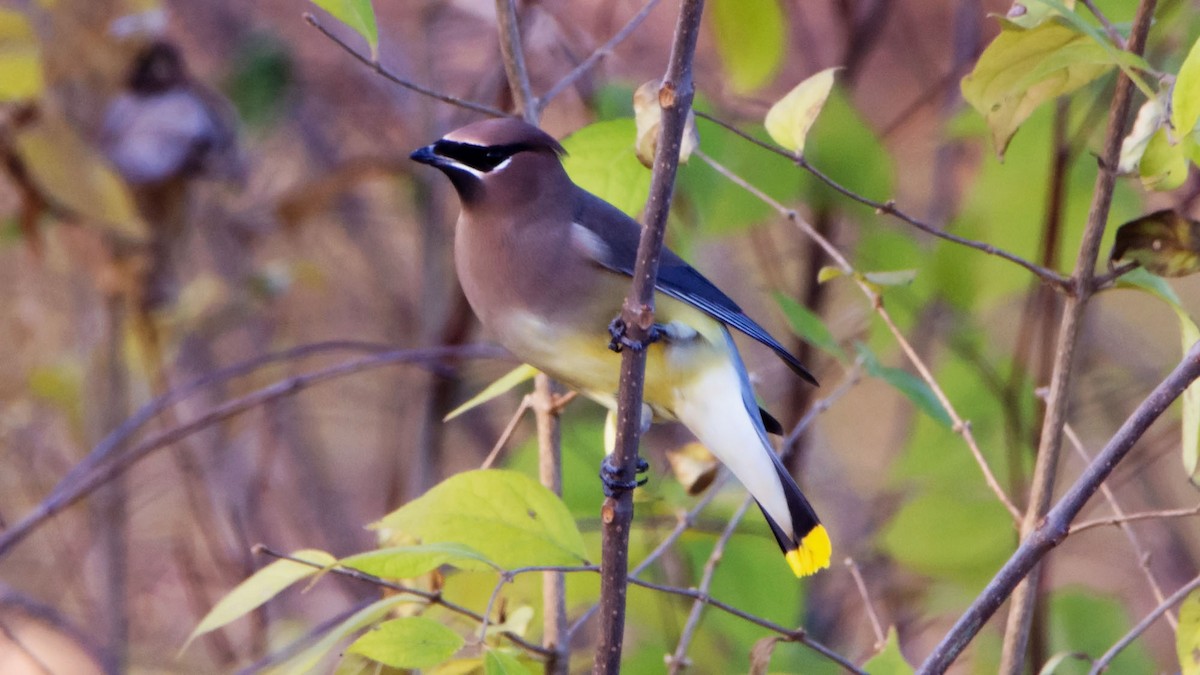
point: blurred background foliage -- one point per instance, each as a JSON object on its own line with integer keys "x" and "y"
{"x": 327, "y": 232}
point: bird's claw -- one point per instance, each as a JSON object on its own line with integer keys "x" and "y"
{"x": 614, "y": 486}
{"x": 618, "y": 329}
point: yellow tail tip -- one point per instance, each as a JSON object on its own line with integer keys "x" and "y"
{"x": 812, "y": 554}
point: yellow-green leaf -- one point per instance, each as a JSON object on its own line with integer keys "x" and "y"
{"x": 1164, "y": 165}
{"x": 1185, "y": 97}
{"x": 512, "y": 378}
{"x": 809, "y": 326}
{"x": 259, "y": 588}
{"x": 410, "y": 642}
{"x": 20, "y": 59}
{"x": 405, "y": 562}
{"x": 1023, "y": 68}
{"x": 1164, "y": 242}
{"x": 1187, "y": 636}
{"x": 496, "y": 662}
{"x": 891, "y": 277}
{"x": 912, "y": 387}
{"x": 1190, "y": 333}
{"x": 791, "y": 118}
{"x": 358, "y": 15}
{"x": 749, "y": 35}
{"x": 889, "y": 661}
{"x": 506, "y": 516}
{"x": 1030, "y": 13}
{"x": 828, "y": 273}
{"x": 601, "y": 159}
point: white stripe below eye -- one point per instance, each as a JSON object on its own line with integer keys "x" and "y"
{"x": 462, "y": 167}
{"x": 500, "y": 167}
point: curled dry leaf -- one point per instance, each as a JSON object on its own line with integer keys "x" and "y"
{"x": 1164, "y": 242}
{"x": 694, "y": 467}
{"x": 647, "y": 112}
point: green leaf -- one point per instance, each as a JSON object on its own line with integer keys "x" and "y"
{"x": 1030, "y": 13}
{"x": 259, "y": 588}
{"x": 359, "y": 15}
{"x": 410, "y": 642}
{"x": 1021, "y": 69}
{"x": 1185, "y": 97}
{"x": 1164, "y": 165}
{"x": 792, "y": 117}
{"x": 1187, "y": 636}
{"x": 506, "y": 516}
{"x": 1164, "y": 242}
{"x": 914, "y": 388}
{"x": 889, "y": 661}
{"x": 601, "y": 159}
{"x": 503, "y": 385}
{"x": 1052, "y": 663}
{"x": 749, "y": 35}
{"x": 809, "y": 326}
{"x": 828, "y": 273}
{"x": 405, "y": 562}
{"x": 20, "y": 58}
{"x": 307, "y": 660}
{"x": 502, "y": 663}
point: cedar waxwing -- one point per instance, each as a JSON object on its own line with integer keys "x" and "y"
{"x": 546, "y": 266}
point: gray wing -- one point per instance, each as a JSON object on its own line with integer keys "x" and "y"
{"x": 620, "y": 233}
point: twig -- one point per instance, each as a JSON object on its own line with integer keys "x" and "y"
{"x": 506, "y": 434}
{"x": 961, "y": 426}
{"x": 595, "y": 57}
{"x": 1113, "y": 33}
{"x": 554, "y": 584}
{"x": 1123, "y": 520}
{"x": 876, "y": 626}
{"x": 889, "y": 207}
{"x": 1020, "y": 616}
{"x": 1163, "y": 608}
{"x": 1134, "y": 517}
{"x": 675, "y": 97}
{"x": 1110, "y": 277}
{"x": 78, "y": 484}
{"x": 430, "y": 596}
{"x": 396, "y": 79}
{"x": 1057, "y": 522}
{"x": 513, "y": 56}
{"x": 678, "y": 660}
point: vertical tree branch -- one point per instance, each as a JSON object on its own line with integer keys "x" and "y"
{"x": 1016, "y": 634}
{"x": 1057, "y": 522}
{"x": 514, "y": 60}
{"x": 675, "y": 97}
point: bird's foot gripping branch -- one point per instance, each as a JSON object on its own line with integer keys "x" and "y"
{"x": 614, "y": 484}
{"x": 618, "y": 329}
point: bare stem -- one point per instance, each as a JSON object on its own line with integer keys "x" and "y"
{"x": 876, "y": 626}
{"x": 1058, "y": 521}
{"x": 396, "y": 79}
{"x": 1020, "y": 616}
{"x": 513, "y": 56}
{"x": 675, "y": 96}
{"x": 1162, "y": 608}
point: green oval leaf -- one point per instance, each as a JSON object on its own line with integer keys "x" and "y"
{"x": 359, "y": 15}
{"x": 601, "y": 159}
{"x": 259, "y": 588}
{"x": 1164, "y": 242}
{"x": 891, "y": 277}
{"x": 749, "y": 35}
{"x": 1164, "y": 165}
{"x": 914, "y": 388}
{"x": 504, "y": 515}
{"x": 503, "y": 385}
{"x": 809, "y": 326}
{"x": 405, "y": 562}
{"x": 1023, "y": 68}
{"x": 1185, "y": 97}
{"x": 310, "y": 657}
{"x": 792, "y": 117}
{"x": 410, "y": 642}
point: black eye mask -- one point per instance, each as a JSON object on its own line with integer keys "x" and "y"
{"x": 478, "y": 157}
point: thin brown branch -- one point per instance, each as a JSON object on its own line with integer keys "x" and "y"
{"x": 677, "y": 661}
{"x": 602, "y": 52}
{"x": 876, "y": 626}
{"x": 1016, "y": 634}
{"x": 1135, "y": 517}
{"x": 554, "y": 585}
{"x": 1057, "y": 523}
{"x": 1113, "y": 33}
{"x": 961, "y": 426}
{"x": 432, "y": 597}
{"x": 1162, "y": 608}
{"x": 513, "y": 56}
{"x": 1122, "y": 520}
{"x": 506, "y": 434}
{"x": 396, "y": 79}
{"x": 675, "y": 97}
{"x": 889, "y": 207}
{"x": 104, "y": 462}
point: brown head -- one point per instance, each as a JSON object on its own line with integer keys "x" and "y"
{"x": 504, "y": 163}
